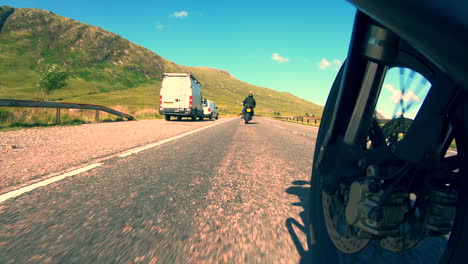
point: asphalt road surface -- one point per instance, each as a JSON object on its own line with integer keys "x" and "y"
{"x": 217, "y": 195}
{"x": 230, "y": 193}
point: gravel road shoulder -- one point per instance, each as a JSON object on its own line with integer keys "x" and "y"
{"x": 31, "y": 154}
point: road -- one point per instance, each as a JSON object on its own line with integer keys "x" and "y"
{"x": 188, "y": 192}
{"x": 222, "y": 194}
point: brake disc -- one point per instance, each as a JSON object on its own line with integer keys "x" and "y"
{"x": 341, "y": 234}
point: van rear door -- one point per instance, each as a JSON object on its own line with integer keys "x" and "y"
{"x": 174, "y": 92}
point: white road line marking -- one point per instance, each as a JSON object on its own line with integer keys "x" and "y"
{"x": 288, "y": 130}
{"x": 152, "y": 145}
{"x": 31, "y": 187}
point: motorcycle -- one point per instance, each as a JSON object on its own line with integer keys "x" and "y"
{"x": 248, "y": 114}
{"x": 392, "y": 184}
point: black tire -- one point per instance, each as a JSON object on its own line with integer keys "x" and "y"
{"x": 211, "y": 116}
{"x": 168, "y": 117}
{"x": 179, "y": 118}
{"x": 193, "y": 118}
{"x": 246, "y": 117}
{"x": 201, "y": 117}
{"x": 321, "y": 247}
{"x": 217, "y": 116}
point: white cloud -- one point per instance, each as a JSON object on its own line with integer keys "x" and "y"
{"x": 397, "y": 95}
{"x": 179, "y": 14}
{"x": 333, "y": 65}
{"x": 324, "y": 64}
{"x": 159, "y": 26}
{"x": 337, "y": 63}
{"x": 278, "y": 58}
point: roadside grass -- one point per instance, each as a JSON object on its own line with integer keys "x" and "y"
{"x": 453, "y": 145}
{"x": 148, "y": 113}
{"x": 145, "y": 96}
{"x": 19, "y": 118}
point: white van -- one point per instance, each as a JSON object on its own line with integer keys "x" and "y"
{"x": 210, "y": 109}
{"x": 180, "y": 96}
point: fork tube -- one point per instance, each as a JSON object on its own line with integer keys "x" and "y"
{"x": 380, "y": 49}
{"x": 369, "y": 93}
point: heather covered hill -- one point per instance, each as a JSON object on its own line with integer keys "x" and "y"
{"x": 108, "y": 69}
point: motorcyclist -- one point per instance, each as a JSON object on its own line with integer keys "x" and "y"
{"x": 249, "y": 101}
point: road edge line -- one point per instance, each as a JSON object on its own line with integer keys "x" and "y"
{"x": 46, "y": 182}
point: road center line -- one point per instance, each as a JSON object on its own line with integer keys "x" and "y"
{"x": 279, "y": 126}
{"x": 31, "y": 187}
{"x": 152, "y": 145}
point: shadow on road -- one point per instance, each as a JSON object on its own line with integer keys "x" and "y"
{"x": 429, "y": 250}
{"x": 301, "y": 190}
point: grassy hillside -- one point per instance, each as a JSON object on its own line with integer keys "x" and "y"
{"x": 228, "y": 93}
{"x": 108, "y": 69}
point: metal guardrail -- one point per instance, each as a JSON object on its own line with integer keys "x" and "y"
{"x": 309, "y": 119}
{"x": 59, "y": 105}
{"x": 302, "y": 119}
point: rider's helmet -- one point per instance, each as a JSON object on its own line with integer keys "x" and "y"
{"x": 250, "y": 95}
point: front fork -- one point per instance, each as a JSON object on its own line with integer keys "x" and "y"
{"x": 375, "y": 211}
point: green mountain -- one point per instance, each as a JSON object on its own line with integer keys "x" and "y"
{"x": 110, "y": 70}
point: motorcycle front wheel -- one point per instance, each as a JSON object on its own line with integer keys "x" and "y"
{"x": 332, "y": 240}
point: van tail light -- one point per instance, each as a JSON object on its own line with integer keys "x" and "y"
{"x": 209, "y": 109}
{"x": 190, "y": 102}
{"x": 160, "y": 101}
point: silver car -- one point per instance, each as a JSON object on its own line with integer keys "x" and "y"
{"x": 210, "y": 109}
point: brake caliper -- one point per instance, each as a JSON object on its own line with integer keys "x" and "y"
{"x": 363, "y": 210}
{"x": 366, "y": 211}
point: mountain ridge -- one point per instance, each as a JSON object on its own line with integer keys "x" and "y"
{"x": 108, "y": 69}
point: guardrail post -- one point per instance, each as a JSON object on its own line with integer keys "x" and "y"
{"x": 308, "y": 121}
{"x": 57, "y": 116}
{"x": 97, "y": 115}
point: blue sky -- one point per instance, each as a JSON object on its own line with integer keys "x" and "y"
{"x": 293, "y": 46}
